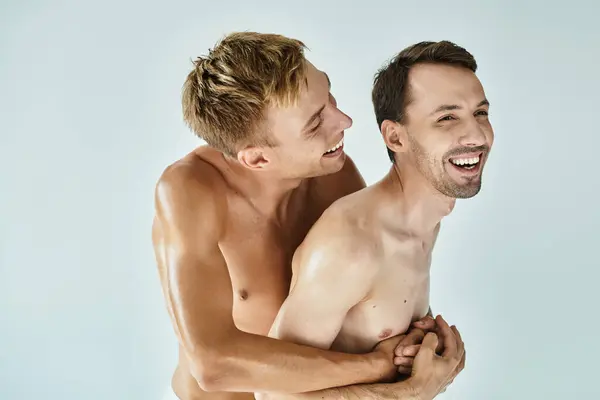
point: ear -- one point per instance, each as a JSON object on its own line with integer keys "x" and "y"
{"x": 394, "y": 136}
{"x": 253, "y": 158}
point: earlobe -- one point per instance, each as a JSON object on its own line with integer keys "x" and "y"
{"x": 253, "y": 158}
{"x": 393, "y": 136}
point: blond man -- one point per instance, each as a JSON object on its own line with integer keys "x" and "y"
{"x": 230, "y": 215}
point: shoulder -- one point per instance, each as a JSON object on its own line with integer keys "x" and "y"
{"x": 189, "y": 189}
{"x": 338, "y": 240}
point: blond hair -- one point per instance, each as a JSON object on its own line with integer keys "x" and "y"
{"x": 226, "y": 94}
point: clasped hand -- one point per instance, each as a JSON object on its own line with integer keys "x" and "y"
{"x": 415, "y": 355}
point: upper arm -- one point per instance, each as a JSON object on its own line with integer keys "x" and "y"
{"x": 331, "y": 278}
{"x": 195, "y": 279}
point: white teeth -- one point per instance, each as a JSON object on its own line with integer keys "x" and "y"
{"x": 337, "y": 146}
{"x": 465, "y": 161}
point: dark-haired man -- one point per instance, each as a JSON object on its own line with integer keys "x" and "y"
{"x": 362, "y": 273}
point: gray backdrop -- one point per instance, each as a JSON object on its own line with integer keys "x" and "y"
{"x": 90, "y": 115}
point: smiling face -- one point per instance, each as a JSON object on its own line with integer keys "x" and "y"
{"x": 308, "y": 136}
{"x": 447, "y": 135}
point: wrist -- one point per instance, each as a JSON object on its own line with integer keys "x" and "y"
{"x": 405, "y": 390}
{"x": 382, "y": 366}
{"x": 420, "y": 388}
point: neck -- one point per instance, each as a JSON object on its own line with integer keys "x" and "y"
{"x": 421, "y": 206}
{"x": 268, "y": 193}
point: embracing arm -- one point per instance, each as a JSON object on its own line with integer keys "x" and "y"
{"x": 198, "y": 293}
{"x": 375, "y": 391}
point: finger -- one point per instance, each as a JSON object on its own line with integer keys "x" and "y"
{"x": 457, "y": 334}
{"x": 429, "y": 344}
{"x": 411, "y": 351}
{"x": 398, "y": 337}
{"x": 404, "y": 370}
{"x": 460, "y": 343}
{"x": 450, "y": 341}
{"x": 403, "y": 361}
{"x": 399, "y": 350}
{"x": 463, "y": 361}
{"x": 399, "y": 343}
{"x": 415, "y": 336}
{"x": 426, "y": 323}
{"x": 440, "y": 347}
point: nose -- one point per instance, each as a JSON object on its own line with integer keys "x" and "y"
{"x": 345, "y": 121}
{"x": 473, "y": 135}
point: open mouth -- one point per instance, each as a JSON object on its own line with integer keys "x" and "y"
{"x": 335, "y": 150}
{"x": 468, "y": 164}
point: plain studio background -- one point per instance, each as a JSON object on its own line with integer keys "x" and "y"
{"x": 90, "y": 115}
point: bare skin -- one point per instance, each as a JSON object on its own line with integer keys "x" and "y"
{"x": 225, "y": 269}
{"x": 362, "y": 274}
{"x": 364, "y": 246}
{"x": 224, "y": 235}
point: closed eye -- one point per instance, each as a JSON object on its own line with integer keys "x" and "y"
{"x": 318, "y": 125}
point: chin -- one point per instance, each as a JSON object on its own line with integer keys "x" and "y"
{"x": 465, "y": 191}
{"x": 334, "y": 165}
{"x": 454, "y": 190}
{"x": 467, "y": 194}
{"x": 459, "y": 184}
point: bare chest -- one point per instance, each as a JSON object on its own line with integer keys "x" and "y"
{"x": 399, "y": 296}
{"x": 258, "y": 256}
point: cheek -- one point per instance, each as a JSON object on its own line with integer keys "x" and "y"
{"x": 490, "y": 136}
{"x": 436, "y": 149}
{"x": 488, "y": 130}
{"x": 305, "y": 149}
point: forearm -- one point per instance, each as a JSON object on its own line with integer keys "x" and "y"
{"x": 253, "y": 363}
{"x": 379, "y": 391}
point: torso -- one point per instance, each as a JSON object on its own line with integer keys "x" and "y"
{"x": 258, "y": 260}
{"x": 258, "y": 253}
{"x": 399, "y": 294}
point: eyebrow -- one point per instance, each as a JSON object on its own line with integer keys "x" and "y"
{"x": 450, "y": 107}
{"x": 316, "y": 114}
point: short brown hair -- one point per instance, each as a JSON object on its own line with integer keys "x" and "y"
{"x": 390, "y": 90}
{"x": 225, "y": 96}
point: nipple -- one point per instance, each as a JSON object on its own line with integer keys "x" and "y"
{"x": 385, "y": 333}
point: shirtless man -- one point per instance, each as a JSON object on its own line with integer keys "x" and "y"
{"x": 230, "y": 215}
{"x": 362, "y": 273}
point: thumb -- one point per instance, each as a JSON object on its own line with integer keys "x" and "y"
{"x": 422, "y": 363}
{"x": 430, "y": 343}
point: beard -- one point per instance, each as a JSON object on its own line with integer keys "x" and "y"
{"x": 435, "y": 172}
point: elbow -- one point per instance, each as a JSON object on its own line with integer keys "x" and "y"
{"x": 209, "y": 371}
{"x": 218, "y": 366}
